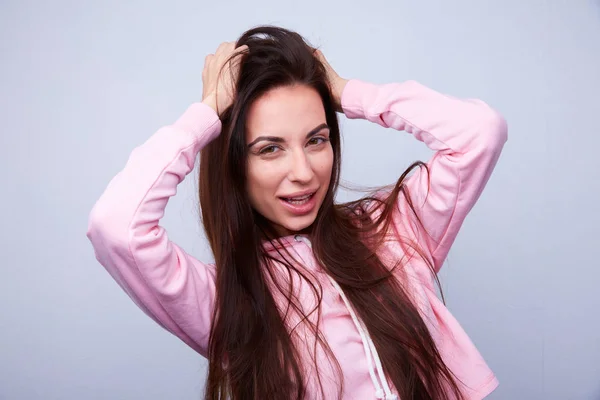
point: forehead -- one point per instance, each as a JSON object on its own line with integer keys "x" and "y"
{"x": 286, "y": 111}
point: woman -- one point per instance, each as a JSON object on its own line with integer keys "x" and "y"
{"x": 306, "y": 298}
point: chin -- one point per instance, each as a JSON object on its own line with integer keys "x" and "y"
{"x": 297, "y": 225}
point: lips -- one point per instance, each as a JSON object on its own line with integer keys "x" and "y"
{"x": 299, "y": 203}
{"x": 298, "y": 200}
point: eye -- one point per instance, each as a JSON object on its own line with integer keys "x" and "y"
{"x": 317, "y": 140}
{"x": 269, "y": 149}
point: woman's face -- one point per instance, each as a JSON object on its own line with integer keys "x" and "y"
{"x": 289, "y": 157}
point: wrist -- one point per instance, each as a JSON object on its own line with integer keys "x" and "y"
{"x": 339, "y": 86}
{"x": 211, "y": 101}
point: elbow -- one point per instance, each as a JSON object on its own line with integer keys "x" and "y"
{"x": 94, "y": 227}
{"x": 97, "y": 231}
{"x": 93, "y": 223}
{"x": 492, "y": 129}
{"x": 103, "y": 226}
{"x": 497, "y": 127}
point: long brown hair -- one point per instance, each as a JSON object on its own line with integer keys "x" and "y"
{"x": 251, "y": 352}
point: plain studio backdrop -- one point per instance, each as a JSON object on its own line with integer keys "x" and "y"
{"x": 83, "y": 83}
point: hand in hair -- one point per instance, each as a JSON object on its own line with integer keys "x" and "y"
{"x": 336, "y": 82}
{"x": 220, "y": 75}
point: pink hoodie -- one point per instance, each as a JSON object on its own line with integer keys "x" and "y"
{"x": 178, "y": 291}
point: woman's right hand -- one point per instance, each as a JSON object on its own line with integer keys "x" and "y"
{"x": 219, "y": 77}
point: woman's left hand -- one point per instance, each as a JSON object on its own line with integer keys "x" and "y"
{"x": 337, "y": 83}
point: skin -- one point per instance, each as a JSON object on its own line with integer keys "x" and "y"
{"x": 288, "y": 139}
{"x": 290, "y": 154}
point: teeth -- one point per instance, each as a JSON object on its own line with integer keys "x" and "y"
{"x": 299, "y": 200}
{"x": 306, "y": 196}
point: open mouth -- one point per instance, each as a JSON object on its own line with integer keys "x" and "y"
{"x": 299, "y": 200}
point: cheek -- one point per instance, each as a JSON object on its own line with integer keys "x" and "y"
{"x": 263, "y": 180}
{"x": 323, "y": 164}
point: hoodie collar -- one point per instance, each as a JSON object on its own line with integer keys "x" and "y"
{"x": 378, "y": 378}
{"x": 285, "y": 242}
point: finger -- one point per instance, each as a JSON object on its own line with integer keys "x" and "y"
{"x": 234, "y": 55}
{"x": 224, "y": 49}
{"x": 241, "y": 49}
{"x": 234, "y": 60}
{"x": 229, "y": 59}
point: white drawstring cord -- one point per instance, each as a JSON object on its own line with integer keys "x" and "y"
{"x": 388, "y": 392}
{"x": 384, "y": 393}
{"x": 379, "y": 393}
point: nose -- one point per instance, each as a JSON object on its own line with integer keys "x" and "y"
{"x": 300, "y": 169}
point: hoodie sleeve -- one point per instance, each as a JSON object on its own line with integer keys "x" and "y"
{"x": 467, "y": 137}
{"x": 169, "y": 285}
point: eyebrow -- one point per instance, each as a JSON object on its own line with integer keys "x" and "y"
{"x": 278, "y": 139}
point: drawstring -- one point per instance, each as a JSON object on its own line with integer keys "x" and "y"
{"x": 388, "y": 392}
{"x": 366, "y": 340}
{"x": 384, "y": 393}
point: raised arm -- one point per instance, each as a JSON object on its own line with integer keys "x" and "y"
{"x": 467, "y": 137}
{"x": 169, "y": 285}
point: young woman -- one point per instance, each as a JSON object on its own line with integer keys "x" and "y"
{"x": 307, "y": 298}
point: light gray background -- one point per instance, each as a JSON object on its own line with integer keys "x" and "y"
{"x": 83, "y": 83}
